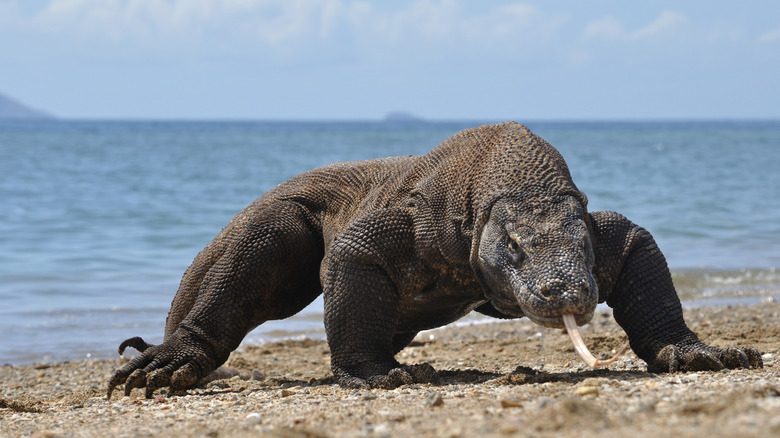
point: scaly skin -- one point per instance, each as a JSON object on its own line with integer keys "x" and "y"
{"x": 489, "y": 220}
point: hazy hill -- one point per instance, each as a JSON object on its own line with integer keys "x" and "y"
{"x": 12, "y": 109}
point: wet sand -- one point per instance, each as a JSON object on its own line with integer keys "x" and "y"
{"x": 497, "y": 379}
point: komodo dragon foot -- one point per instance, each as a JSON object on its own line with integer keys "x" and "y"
{"x": 178, "y": 363}
{"x": 696, "y": 356}
{"x": 404, "y": 375}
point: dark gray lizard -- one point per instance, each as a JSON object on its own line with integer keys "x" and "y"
{"x": 489, "y": 220}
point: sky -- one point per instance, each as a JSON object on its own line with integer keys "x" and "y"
{"x": 342, "y": 59}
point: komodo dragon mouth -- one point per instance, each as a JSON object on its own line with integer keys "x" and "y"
{"x": 579, "y": 345}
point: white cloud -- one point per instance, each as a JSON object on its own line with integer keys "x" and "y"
{"x": 771, "y": 36}
{"x": 286, "y": 24}
{"x": 8, "y": 14}
{"x": 666, "y": 22}
{"x": 611, "y": 28}
{"x": 129, "y": 19}
{"x": 608, "y": 28}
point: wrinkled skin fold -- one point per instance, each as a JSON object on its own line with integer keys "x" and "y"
{"x": 489, "y": 220}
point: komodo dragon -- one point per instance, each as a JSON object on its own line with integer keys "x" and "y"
{"x": 489, "y": 220}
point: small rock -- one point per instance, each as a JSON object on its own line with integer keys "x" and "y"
{"x": 586, "y": 390}
{"x": 598, "y": 381}
{"x": 286, "y": 392}
{"x": 258, "y": 375}
{"x": 369, "y": 396}
{"x": 382, "y": 428}
{"x": 434, "y": 399}
{"x": 511, "y": 403}
{"x": 690, "y": 378}
{"x": 254, "y": 418}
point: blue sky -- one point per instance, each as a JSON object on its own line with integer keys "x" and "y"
{"x": 342, "y": 59}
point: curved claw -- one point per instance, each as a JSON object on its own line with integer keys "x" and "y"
{"x": 753, "y": 357}
{"x": 394, "y": 378}
{"x": 185, "y": 377}
{"x": 116, "y": 380}
{"x": 700, "y": 360}
{"x": 734, "y": 358}
{"x": 136, "y": 342}
{"x": 353, "y": 382}
{"x": 123, "y": 374}
{"x": 157, "y": 379}
{"x": 136, "y": 380}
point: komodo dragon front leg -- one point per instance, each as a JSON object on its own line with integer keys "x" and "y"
{"x": 362, "y": 286}
{"x": 634, "y": 279}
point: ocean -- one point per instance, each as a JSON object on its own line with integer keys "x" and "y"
{"x": 99, "y": 219}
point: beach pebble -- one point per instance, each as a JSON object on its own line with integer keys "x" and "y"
{"x": 598, "y": 381}
{"x": 690, "y": 378}
{"x": 587, "y": 390}
{"x": 511, "y": 403}
{"x": 254, "y": 418}
{"x": 434, "y": 399}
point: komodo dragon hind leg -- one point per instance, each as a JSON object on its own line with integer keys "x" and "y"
{"x": 268, "y": 269}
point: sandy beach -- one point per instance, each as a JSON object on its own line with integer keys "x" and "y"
{"x": 497, "y": 379}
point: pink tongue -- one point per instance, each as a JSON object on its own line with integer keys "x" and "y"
{"x": 579, "y": 345}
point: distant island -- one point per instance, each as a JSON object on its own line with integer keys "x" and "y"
{"x": 402, "y": 116}
{"x": 11, "y": 109}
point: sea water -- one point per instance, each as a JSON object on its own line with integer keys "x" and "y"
{"x": 99, "y": 219}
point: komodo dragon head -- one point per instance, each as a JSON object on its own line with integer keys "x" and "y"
{"x": 536, "y": 260}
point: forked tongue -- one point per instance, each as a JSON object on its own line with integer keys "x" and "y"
{"x": 579, "y": 345}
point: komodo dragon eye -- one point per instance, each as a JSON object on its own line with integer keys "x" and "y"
{"x": 515, "y": 250}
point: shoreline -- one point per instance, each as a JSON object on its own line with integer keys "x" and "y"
{"x": 502, "y": 378}
{"x": 308, "y": 323}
